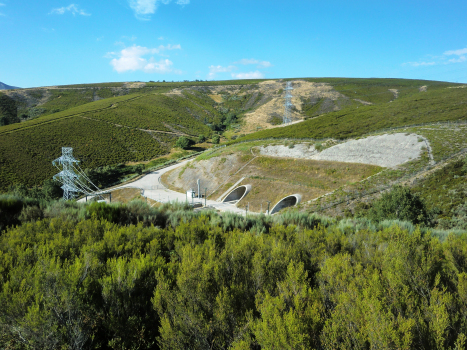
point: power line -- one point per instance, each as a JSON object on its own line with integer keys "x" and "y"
{"x": 72, "y": 177}
{"x": 288, "y": 103}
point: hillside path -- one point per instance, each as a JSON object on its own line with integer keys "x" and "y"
{"x": 132, "y": 127}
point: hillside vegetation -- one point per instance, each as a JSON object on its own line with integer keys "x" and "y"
{"x": 434, "y": 105}
{"x": 153, "y": 115}
{"x": 388, "y": 270}
{"x": 168, "y": 278}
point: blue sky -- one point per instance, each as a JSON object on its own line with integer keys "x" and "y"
{"x": 56, "y": 42}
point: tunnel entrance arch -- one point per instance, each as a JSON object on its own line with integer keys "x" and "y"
{"x": 237, "y": 194}
{"x": 286, "y": 202}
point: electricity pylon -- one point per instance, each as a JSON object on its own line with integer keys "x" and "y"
{"x": 288, "y": 103}
{"x": 73, "y": 179}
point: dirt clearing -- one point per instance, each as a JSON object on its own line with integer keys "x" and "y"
{"x": 382, "y": 150}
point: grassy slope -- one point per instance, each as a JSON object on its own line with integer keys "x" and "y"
{"x": 27, "y": 149}
{"x": 89, "y": 107}
{"x": 189, "y": 114}
{"x": 444, "y": 189}
{"x": 422, "y": 107}
{"x": 26, "y": 155}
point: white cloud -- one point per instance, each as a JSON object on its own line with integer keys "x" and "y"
{"x": 418, "y": 64}
{"x": 261, "y": 64}
{"x": 132, "y": 59}
{"x": 74, "y": 9}
{"x": 2, "y": 4}
{"x": 213, "y": 70}
{"x": 458, "y": 60}
{"x": 130, "y": 38}
{"x": 249, "y": 75}
{"x": 442, "y": 59}
{"x": 144, "y": 8}
{"x": 456, "y": 52}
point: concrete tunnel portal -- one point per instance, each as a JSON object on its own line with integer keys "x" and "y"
{"x": 286, "y": 202}
{"x": 237, "y": 194}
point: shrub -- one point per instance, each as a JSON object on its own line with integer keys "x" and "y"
{"x": 401, "y": 204}
{"x": 183, "y": 142}
{"x": 10, "y": 209}
{"x": 31, "y": 213}
{"x": 201, "y": 138}
{"x": 103, "y": 211}
{"x": 216, "y": 139}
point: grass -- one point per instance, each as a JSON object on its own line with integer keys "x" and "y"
{"x": 275, "y": 178}
{"x": 126, "y": 195}
{"x": 158, "y": 112}
{"x": 445, "y": 188}
{"x": 437, "y": 105}
{"x": 102, "y": 133}
{"x": 26, "y": 154}
{"x": 111, "y": 123}
{"x": 89, "y": 107}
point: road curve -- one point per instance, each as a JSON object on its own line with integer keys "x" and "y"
{"x": 153, "y": 188}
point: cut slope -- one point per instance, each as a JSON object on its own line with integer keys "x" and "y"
{"x": 271, "y": 178}
{"x": 382, "y": 150}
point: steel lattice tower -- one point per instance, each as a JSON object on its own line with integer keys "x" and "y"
{"x": 67, "y": 176}
{"x": 73, "y": 178}
{"x": 288, "y": 103}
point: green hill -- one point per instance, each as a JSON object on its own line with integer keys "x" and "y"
{"x": 129, "y": 128}
{"x": 442, "y": 102}
{"x": 112, "y": 123}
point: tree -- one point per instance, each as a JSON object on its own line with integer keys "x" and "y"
{"x": 52, "y": 189}
{"x": 401, "y": 204}
{"x": 183, "y": 142}
{"x": 201, "y": 138}
{"x": 8, "y": 110}
{"x": 216, "y": 139}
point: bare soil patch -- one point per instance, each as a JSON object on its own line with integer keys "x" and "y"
{"x": 217, "y": 98}
{"x": 382, "y": 150}
{"x": 274, "y": 89}
{"x": 133, "y": 85}
{"x": 395, "y": 92}
{"x": 366, "y": 103}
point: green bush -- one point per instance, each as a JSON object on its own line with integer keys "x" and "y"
{"x": 104, "y": 211}
{"x": 172, "y": 278}
{"x": 183, "y": 142}
{"x": 8, "y": 110}
{"x": 10, "y": 210}
{"x": 216, "y": 139}
{"x": 401, "y": 204}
